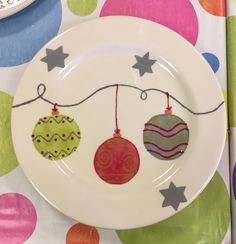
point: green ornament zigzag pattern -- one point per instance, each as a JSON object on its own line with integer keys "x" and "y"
{"x": 56, "y": 137}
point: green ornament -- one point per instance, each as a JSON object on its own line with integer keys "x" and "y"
{"x": 56, "y": 136}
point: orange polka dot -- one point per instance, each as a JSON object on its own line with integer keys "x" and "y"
{"x": 82, "y": 234}
{"x": 215, "y": 7}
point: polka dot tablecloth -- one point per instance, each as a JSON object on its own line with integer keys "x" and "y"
{"x": 231, "y": 54}
{"x": 25, "y": 217}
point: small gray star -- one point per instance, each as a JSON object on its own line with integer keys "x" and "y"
{"x": 55, "y": 58}
{"x": 173, "y": 196}
{"x": 144, "y": 64}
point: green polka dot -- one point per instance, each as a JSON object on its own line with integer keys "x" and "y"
{"x": 8, "y": 160}
{"x": 206, "y": 220}
{"x": 82, "y": 7}
{"x": 231, "y": 53}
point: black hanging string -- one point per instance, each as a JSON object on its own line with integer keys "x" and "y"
{"x": 41, "y": 90}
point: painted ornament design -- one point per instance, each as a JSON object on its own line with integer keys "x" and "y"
{"x": 166, "y": 136}
{"x": 117, "y": 159}
{"x": 56, "y": 136}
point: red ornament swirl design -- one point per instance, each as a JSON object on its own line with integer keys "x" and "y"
{"x": 129, "y": 162}
{"x": 104, "y": 159}
{"x": 116, "y": 161}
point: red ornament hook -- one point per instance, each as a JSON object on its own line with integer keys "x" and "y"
{"x": 168, "y": 108}
{"x": 54, "y": 109}
{"x": 117, "y": 130}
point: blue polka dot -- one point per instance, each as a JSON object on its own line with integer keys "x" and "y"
{"x": 24, "y": 33}
{"x": 212, "y": 60}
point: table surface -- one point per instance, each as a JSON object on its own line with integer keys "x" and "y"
{"x": 202, "y": 23}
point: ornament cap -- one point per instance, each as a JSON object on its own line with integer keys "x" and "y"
{"x": 117, "y": 133}
{"x": 168, "y": 111}
{"x": 55, "y": 110}
{"x": 168, "y": 108}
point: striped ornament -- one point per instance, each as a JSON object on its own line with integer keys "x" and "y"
{"x": 166, "y": 136}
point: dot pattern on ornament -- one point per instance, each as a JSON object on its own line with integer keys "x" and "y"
{"x": 56, "y": 136}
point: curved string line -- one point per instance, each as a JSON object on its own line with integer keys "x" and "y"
{"x": 143, "y": 96}
{"x": 26, "y": 102}
{"x": 40, "y": 96}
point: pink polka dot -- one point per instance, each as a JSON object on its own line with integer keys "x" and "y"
{"x": 17, "y": 218}
{"x": 178, "y": 15}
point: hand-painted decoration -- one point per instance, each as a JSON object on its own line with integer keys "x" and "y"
{"x": 41, "y": 90}
{"x": 117, "y": 160}
{"x": 166, "y": 136}
{"x": 59, "y": 141}
{"x": 173, "y": 196}
{"x": 144, "y": 64}
{"x": 56, "y": 136}
{"x": 55, "y": 58}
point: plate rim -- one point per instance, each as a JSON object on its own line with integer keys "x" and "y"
{"x": 217, "y": 84}
{"x": 11, "y": 10}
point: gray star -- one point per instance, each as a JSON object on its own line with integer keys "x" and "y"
{"x": 55, "y": 58}
{"x": 144, "y": 64}
{"x": 173, "y": 196}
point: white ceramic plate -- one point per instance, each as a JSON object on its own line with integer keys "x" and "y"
{"x": 100, "y": 53}
{"x": 10, "y": 7}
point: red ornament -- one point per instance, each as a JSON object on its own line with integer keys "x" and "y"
{"x": 117, "y": 160}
